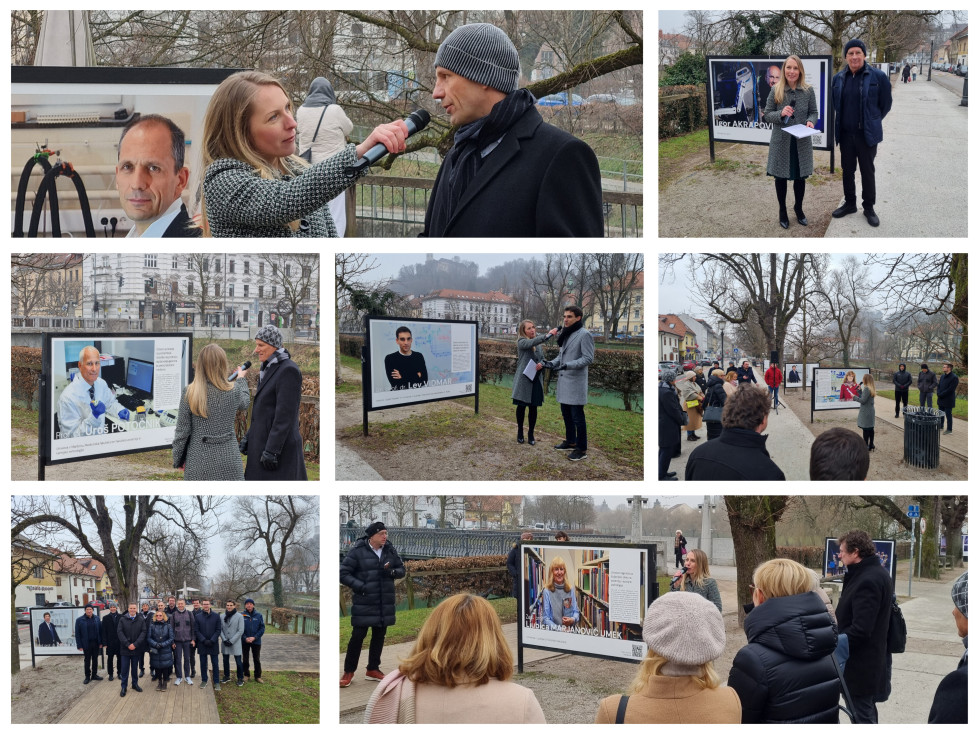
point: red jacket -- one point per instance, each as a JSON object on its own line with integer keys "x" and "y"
{"x": 774, "y": 377}
{"x": 849, "y": 391}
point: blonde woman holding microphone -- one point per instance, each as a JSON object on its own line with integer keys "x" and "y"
{"x": 791, "y": 102}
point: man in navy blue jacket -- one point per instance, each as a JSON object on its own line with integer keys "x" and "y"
{"x": 862, "y": 96}
{"x": 207, "y": 632}
{"x": 88, "y": 639}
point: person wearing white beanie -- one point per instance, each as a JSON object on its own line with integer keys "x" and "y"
{"x": 677, "y": 682}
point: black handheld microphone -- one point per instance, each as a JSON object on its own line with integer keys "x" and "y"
{"x": 245, "y": 366}
{"x": 415, "y": 122}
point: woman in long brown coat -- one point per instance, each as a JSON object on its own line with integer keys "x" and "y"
{"x": 689, "y": 391}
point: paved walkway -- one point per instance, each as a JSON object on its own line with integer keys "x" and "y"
{"x": 957, "y": 442}
{"x": 350, "y": 466}
{"x": 102, "y": 705}
{"x": 288, "y": 652}
{"x": 920, "y": 169}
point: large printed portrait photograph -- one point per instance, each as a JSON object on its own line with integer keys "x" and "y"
{"x": 54, "y": 630}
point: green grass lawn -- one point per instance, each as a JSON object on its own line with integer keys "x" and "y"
{"x": 683, "y": 145}
{"x": 617, "y": 432}
{"x": 284, "y": 697}
{"x": 409, "y": 622}
{"x": 959, "y": 410}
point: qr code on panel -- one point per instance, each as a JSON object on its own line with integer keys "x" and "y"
{"x": 469, "y": 387}
{"x": 637, "y": 651}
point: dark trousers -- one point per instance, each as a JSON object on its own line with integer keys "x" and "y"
{"x": 678, "y": 557}
{"x": 854, "y": 153}
{"x": 949, "y": 418}
{"x": 925, "y": 399}
{"x": 255, "y": 649}
{"x": 129, "y": 663}
{"x": 666, "y": 453}
{"x": 91, "y": 661}
{"x": 193, "y": 658}
{"x": 358, "y": 634}
{"x": 575, "y": 432}
{"x": 238, "y": 665}
{"x": 205, "y": 655}
{"x": 901, "y": 400}
{"x": 109, "y": 659}
{"x": 163, "y": 674}
{"x": 182, "y": 655}
{"x": 865, "y": 710}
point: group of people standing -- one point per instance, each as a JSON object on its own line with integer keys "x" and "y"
{"x": 171, "y": 635}
{"x": 205, "y": 444}
{"x": 576, "y": 351}
{"x": 861, "y": 97}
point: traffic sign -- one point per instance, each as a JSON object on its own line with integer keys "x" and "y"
{"x": 913, "y": 511}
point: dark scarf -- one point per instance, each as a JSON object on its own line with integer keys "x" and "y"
{"x": 281, "y": 354}
{"x": 229, "y": 615}
{"x": 465, "y": 160}
{"x": 568, "y": 332}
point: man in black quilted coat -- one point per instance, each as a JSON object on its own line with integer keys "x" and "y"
{"x": 863, "y": 614}
{"x": 370, "y": 570}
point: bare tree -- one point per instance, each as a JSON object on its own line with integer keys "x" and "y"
{"x": 176, "y": 559}
{"x": 402, "y": 506}
{"x": 270, "y": 525}
{"x": 844, "y": 295}
{"x": 296, "y": 275}
{"x": 41, "y": 282}
{"x": 612, "y": 279}
{"x": 349, "y": 270}
{"x": 753, "y": 522}
{"x": 121, "y": 527}
{"x": 549, "y": 282}
{"x": 238, "y": 578}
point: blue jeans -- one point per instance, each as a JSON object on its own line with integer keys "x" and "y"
{"x": 205, "y": 655}
{"x": 238, "y": 665}
{"x": 127, "y": 663}
{"x": 575, "y": 430}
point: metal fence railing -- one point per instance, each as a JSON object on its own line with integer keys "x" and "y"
{"x": 394, "y": 206}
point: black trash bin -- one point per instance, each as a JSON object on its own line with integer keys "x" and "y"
{"x": 923, "y": 426}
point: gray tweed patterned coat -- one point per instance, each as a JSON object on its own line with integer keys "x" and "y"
{"x": 212, "y": 449}
{"x": 804, "y": 111}
{"x": 527, "y": 349}
{"x": 576, "y": 354}
{"x": 866, "y": 414}
{"x": 239, "y": 203}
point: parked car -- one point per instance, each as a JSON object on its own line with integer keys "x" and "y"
{"x": 22, "y": 614}
{"x": 97, "y": 604}
{"x": 559, "y": 99}
{"x": 593, "y": 99}
{"x": 961, "y": 72}
{"x": 688, "y": 365}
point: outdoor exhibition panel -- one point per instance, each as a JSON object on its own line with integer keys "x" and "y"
{"x": 826, "y": 393}
{"x": 612, "y": 585}
{"x": 144, "y": 374}
{"x": 833, "y": 567}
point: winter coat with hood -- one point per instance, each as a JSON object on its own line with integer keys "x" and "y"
{"x": 372, "y": 580}
{"x": 160, "y": 638}
{"x": 902, "y": 379}
{"x": 785, "y": 674}
{"x": 715, "y": 395}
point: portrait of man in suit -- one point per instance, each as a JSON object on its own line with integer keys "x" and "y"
{"x": 47, "y": 633}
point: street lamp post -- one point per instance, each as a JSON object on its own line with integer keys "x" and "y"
{"x": 721, "y": 328}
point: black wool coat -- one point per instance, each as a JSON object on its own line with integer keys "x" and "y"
{"x": 373, "y": 583}
{"x": 863, "y": 613}
{"x": 785, "y": 674}
{"x": 670, "y": 418}
{"x": 109, "y": 623}
{"x": 738, "y": 454}
{"x": 183, "y": 226}
{"x": 538, "y": 182}
{"x": 949, "y": 706}
{"x": 946, "y": 393}
{"x": 275, "y": 424}
{"x": 715, "y": 395}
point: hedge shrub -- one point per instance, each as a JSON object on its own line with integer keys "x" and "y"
{"x": 682, "y": 109}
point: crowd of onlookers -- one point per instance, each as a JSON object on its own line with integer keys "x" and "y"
{"x": 802, "y": 653}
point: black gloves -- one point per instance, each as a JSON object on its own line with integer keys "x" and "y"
{"x": 269, "y": 460}
{"x": 243, "y": 445}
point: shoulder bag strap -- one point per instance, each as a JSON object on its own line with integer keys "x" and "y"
{"x": 621, "y": 711}
{"x": 849, "y": 708}
{"x": 317, "y": 131}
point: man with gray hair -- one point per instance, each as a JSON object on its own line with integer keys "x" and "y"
{"x": 508, "y": 174}
{"x": 83, "y": 405}
{"x": 150, "y": 175}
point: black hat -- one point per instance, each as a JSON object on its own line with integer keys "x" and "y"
{"x": 855, "y": 42}
{"x": 374, "y": 528}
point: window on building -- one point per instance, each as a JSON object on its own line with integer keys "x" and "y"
{"x": 636, "y": 313}
{"x": 307, "y": 271}
{"x": 173, "y": 262}
{"x": 190, "y": 288}
{"x": 105, "y": 261}
{"x": 231, "y": 290}
{"x": 273, "y": 292}
{"x": 261, "y": 269}
{"x": 287, "y": 270}
{"x": 38, "y": 572}
{"x": 231, "y": 266}
{"x": 57, "y": 581}
{"x": 306, "y": 292}
{"x": 245, "y": 266}
{"x": 217, "y": 265}
{"x": 149, "y": 261}
{"x": 638, "y": 298}
{"x": 275, "y": 270}
{"x": 217, "y": 289}
{"x": 190, "y": 265}
{"x": 245, "y": 290}
{"x": 261, "y": 288}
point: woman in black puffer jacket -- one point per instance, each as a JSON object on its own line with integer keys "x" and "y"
{"x": 715, "y": 396}
{"x": 160, "y": 638}
{"x": 785, "y": 673}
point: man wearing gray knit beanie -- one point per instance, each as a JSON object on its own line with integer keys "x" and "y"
{"x": 508, "y": 174}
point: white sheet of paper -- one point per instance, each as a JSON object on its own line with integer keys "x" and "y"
{"x": 531, "y": 370}
{"x": 800, "y": 131}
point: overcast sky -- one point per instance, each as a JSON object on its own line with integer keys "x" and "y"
{"x": 678, "y": 294}
{"x": 390, "y": 263}
{"x": 673, "y": 21}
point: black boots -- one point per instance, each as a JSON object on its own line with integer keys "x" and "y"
{"x": 783, "y": 218}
